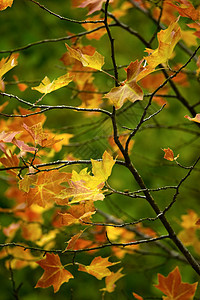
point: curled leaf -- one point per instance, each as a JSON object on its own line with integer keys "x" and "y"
{"x": 46, "y": 86}
{"x": 195, "y": 119}
{"x": 96, "y": 61}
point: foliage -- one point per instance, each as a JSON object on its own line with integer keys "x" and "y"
{"x": 87, "y": 193}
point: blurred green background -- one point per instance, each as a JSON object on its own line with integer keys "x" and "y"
{"x": 26, "y": 23}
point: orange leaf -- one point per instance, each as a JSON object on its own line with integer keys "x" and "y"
{"x": 72, "y": 242}
{"x": 129, "y": 90}
{"x": 54, "y": 272}
{"x": 137, "y": 296}
{"x": 169, "y": 154}
{"x": 5, "y": 3}
{"x": 47, "y": 188}
{"x": 174, "y": 288}
{"x": 8, "y": 63}
{"x": 10, "y": 161}
{"x": 186, "y": 9}
{"x": 46, "y": 86}
{"x": 110, "y": 281}
{"x": 195, "y": 119}
{"x": 98, "y": 267}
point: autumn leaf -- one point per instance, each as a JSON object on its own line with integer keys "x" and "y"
{"x": 9, "y": 161}
{"x": 186, "y": 9}
{"x": 195, "y": 119}
{"x": 73, "y": 240}
{"x": 102, "y": 169}
{"x": 54, "y": 272}
{"x": 173, "y": 287}
{"x": 9, "y": 62}
{"x": 46, "y": 86}
{"x": 47, "y": 188}
{"x": 129, "y": 90}
{"x": 169, "y": 154}
{"x": 167, "y": 40}
{"x": 39, "y": 136}
{"x": 110, "y": 281}
{"x": 79, "y": 192}
{"x": 92, "y": 5}
{"x": 98, "y": 267}
{"x": 137, "y": 296}
{"x": 76, "y": 214}
{"x": 90, "y": 26}
{"x": 84, "y": 186}
{"x": 96, "y": 61}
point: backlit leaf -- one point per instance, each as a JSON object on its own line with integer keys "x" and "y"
{"x": 129, "y": 90}
{"x": 46, "y": 86}
{"x": 9, "y": 62}
{"x": 54, "y": 272}
{"x": 98, "y": 267}
{"x": 173, "y": 287}
{"x": 110, "y": 281}
{"x": 96, "y": 61}
{"x": 195, "y": 119}
{"x": 169, "y": 154}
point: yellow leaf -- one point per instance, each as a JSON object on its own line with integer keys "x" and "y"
{"x": 110, "y": 281}
{"x": 96, "y": 61}
{"x": 98, "y": 267}
{"x": 102, "y": 169}
{"x": 8, "y": 63}
{"x": 46, "y": 86}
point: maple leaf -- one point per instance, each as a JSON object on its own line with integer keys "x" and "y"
{"x": 5, "y": 3}
{"x": 46, "y": 86}
{"x": 47, "y": 188}
{"x": 110, "y": 281}
{"x": 90, "y": 26}
{"x": 186, "y": 9}
{"x": 173, "y": 287}
{"x": 93, "y": 5}
{"x": 195, "y": 119}
{"x": 8, "y": 63}
{"x": 98, "y": 267}
{"x": 84, "y": 186}
{"x": 79, "y": 192}
{"x": 96, "y": 61}
{"x": 129, "y": 90}
{"x": 76, "y": 213}
{"x": 102, "y": 169}
{"x": 39, "y": 136}
{"x": 73, "y": 240}
{"x": 54, "y": 273}
{"x": 9, "y": 161}
{"x": 167, "y": 40}
{"x": 169, "y": 154}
